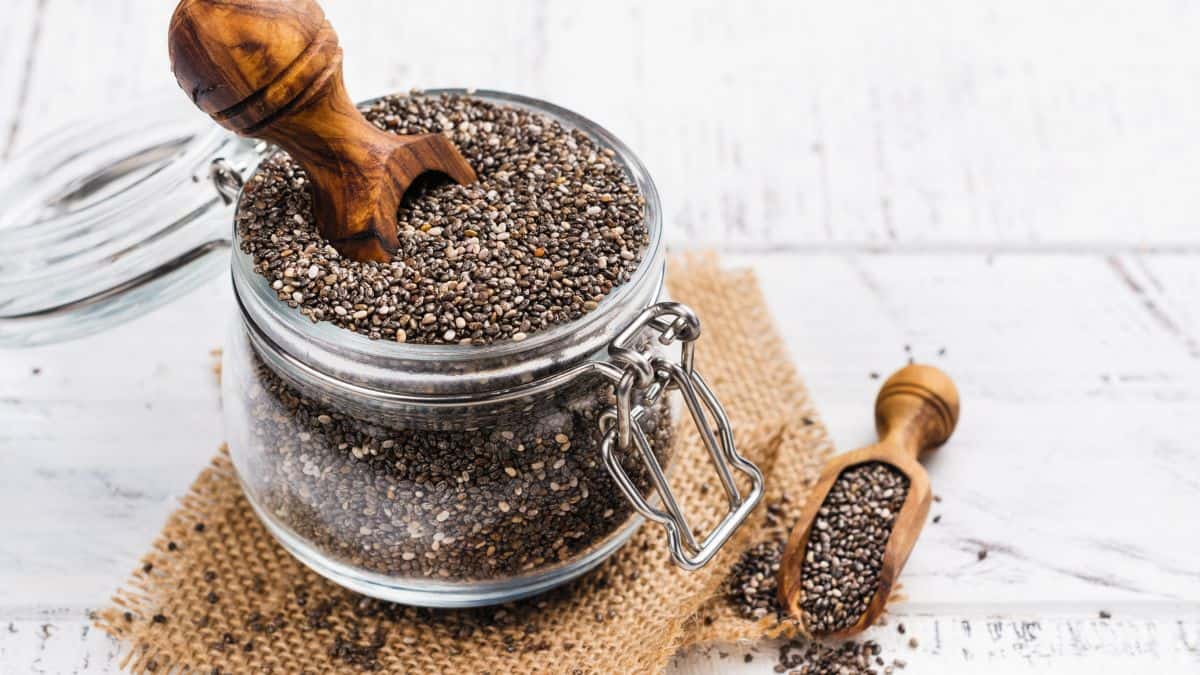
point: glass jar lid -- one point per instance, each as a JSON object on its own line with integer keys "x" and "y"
{"x": 106, "y": 219}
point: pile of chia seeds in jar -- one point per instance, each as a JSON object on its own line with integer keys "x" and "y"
{"x": 516, "y": 495}
{"x": 553, "y": 224}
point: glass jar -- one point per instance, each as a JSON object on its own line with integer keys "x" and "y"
{"x": 436, "y": 475}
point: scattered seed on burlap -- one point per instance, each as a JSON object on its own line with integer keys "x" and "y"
{"x": 840, "y": 572}
{"x": 553, "y": 224}
{"x": 752, "y": 583}
{"x": 522, "y": 493}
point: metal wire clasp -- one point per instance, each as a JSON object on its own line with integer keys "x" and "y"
{"x": 644, "y": 378}
{"x": 227, "y": 180}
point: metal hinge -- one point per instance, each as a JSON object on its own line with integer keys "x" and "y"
{"x": 646, "y": 377}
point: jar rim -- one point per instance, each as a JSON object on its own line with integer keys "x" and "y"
{"x": 311, "y": 342}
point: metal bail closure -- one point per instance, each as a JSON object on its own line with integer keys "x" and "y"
{"x": 644, "y": 379}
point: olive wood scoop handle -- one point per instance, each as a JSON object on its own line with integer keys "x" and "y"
{"x": 916, "y": 411}
{"x": 272, "y": 69}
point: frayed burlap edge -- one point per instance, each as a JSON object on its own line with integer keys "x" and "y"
{"x": 216, "y": 592}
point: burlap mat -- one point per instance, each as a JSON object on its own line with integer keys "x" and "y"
{"x": 216, "y": 594}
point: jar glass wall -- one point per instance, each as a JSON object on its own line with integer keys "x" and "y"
{"x": 455, "y": 510}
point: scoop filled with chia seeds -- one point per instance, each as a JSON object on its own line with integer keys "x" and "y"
{"x": 863, "y": 517}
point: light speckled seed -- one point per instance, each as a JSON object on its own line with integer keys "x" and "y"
{"x": 551, "y": 227}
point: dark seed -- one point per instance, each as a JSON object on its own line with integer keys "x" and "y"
{"x": 552, "y": 225}
{"x": 840, "y": 572}
{"x": 819, "y": 658}
{"x": 386, "y": 498}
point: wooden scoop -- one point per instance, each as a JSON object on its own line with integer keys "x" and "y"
{"x": 916, "y": 411}
{"x": 272, "y": 69}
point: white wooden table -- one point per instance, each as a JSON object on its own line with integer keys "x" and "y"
{"x": 1017, "y": 185}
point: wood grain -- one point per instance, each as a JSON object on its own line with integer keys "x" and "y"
{"x": 272, "y": 69}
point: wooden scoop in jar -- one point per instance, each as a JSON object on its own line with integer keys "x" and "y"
{"x": 916, "y": 411}
{"x": 272, "y": 69}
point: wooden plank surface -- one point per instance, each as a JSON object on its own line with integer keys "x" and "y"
{"x": 1013, "y": 184}
{"x": 772, "y": 123}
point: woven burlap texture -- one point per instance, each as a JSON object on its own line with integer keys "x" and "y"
{"x": 217, "y": 594}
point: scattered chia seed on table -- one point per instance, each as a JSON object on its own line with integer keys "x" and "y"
{"x": 840, "y": 572}
{"x": 550, "y": 228}
{"x": 848, "y": 658}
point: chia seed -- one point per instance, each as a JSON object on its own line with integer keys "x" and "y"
{"x": 847, "y": 658}
{"x": 551, "y": 227}
{"x": 752, "y": 584}
{"x": 510, "y": 496}
{"x": 840, "y": 572}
